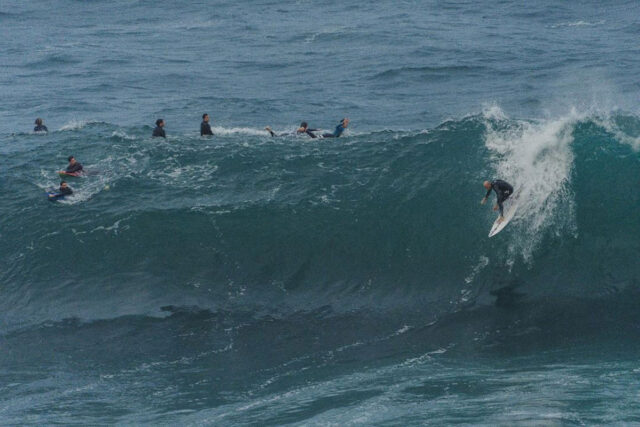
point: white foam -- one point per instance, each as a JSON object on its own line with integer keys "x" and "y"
{"x": 537, "y": 159}
{"x": 325, "y": 31}
{"x": 493, "y": 112}
{"x": 218, "y": 130}
{"x": 483, "y": 261}
{"x": 76, "y": 124}
{"x": 123, "y": 135}
{"x": 622, "y": 135}
{"x": 578, "y": 24}
{"x": 115, "y": 227}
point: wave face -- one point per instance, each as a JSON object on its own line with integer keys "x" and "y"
{"x": 231, "y": 270}
{"x": 380, "y": 221}
{"x": 250, "y": 280}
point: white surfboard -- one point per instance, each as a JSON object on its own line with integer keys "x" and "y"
{"x": 510, "y": 207}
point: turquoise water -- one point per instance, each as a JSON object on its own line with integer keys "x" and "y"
{"x": 250, "y": 280}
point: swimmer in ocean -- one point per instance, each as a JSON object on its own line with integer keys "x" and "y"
{"x": 64, "y": 190}
{"x": 205, "y": 127}
{"x": 303, "y": 129}
{"x": 40, "y": 127}
{"x": 339, "y": 129}
{"x": 74, "y": 166}
{"x": 159, "y": 130}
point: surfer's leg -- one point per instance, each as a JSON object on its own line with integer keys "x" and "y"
{"x": 501, "y": 199}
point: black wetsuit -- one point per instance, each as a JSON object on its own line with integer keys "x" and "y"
{"x": 309, "y": 132}
{"x": 205, "y": 129}
{"x": 76, "y": 167}
{"x": 40, "y": 128}
{"x": 62, "y": 192}
{"x": 503, "y": 190}
{"x": 158, "y": 131}
{"x": 65, "y": 191}
{"x": 336, "y": 133}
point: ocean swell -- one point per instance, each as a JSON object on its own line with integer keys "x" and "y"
{"x": 381, "y": 221}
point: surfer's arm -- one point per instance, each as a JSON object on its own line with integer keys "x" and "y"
{"x": 486, "y": 197}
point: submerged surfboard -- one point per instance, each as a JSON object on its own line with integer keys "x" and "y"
{"x": 510, "y": 207}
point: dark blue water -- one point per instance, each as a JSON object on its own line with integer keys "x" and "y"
{"x": 251, "y": 280}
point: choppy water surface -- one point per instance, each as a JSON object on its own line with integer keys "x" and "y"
{"x": 245, "y": 279}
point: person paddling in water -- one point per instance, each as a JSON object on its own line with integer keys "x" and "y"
{"x": 302, "y": 130}
{"x": 339, "y": 129}
{"x": 64, "y": 190}
{"x": 159, "y": 130}
{"x": 503, "y": 190}
{"x": 74, "y": 166}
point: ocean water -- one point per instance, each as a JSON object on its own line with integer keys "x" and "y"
{"x": 250, "y": 280}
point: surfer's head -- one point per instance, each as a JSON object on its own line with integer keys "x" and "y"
{"x": 39, "y": 121}
{"x": 63, "y": 184}
{"x": 486, "y": 185}
{"x": 71, "y": 159}
{"x": 205, "y": 117}
{"x": 344, "y": 122}
{"x": 304, "y": 125}
{"x": 160, "y": 122}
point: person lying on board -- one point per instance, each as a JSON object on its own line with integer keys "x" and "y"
{"x": 74, "y": 166}
{"x": 64, "y": 190}
{"x": 303, "y": 129}
{"x": 339, "y": 129}
{"x": 503, "y": 190}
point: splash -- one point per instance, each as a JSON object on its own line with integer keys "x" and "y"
{"x": 536, "y": 158}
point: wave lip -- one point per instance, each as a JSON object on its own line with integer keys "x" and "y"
{"x": 537, "y": 159}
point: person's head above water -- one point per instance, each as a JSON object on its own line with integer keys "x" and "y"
{"x": 39, "y": 121}
{"x": 486, "y": 185}
{"x": 205, "y": 117}
{"x": 344, "y": 122}
{"x": 71, "y": 159}
{"x": 63, "y": 184}
{"x": 304, "y": 125}
{"x": 160, "y": 122}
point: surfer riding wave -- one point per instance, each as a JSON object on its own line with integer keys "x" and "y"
{"x": 503, "y": 190}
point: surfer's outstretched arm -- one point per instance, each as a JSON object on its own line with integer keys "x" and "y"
{"x": 271, "y": 132}
{"x": 489, "y": 187}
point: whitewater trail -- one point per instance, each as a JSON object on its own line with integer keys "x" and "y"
{"x": 536, "y": 157}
